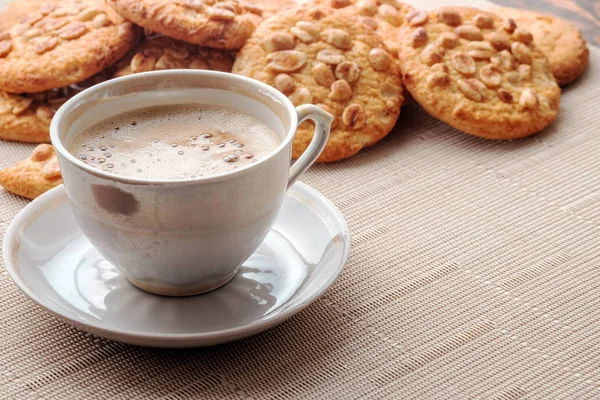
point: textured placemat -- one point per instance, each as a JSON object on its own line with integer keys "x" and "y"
{"x": 475, "y": 273}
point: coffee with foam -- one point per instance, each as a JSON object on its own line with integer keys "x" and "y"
{"x": 175, "y": 142}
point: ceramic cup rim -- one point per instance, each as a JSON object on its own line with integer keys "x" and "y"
{"x": 72, "y": 104}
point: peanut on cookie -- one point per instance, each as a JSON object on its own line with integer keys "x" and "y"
{"x": 15, "y": 11}
{"x": 63, "y": 43}
{"x": 384, "y": 16}
{"x": 477, "y": 72}
{"x": 221, "y": 24}
{"x": 34, "y": 176}
{"x": 157, "y": 52}
{"x": 26, "y": 117}
{"x": 324, "y": 57}
{"x": 272, "y": 7}
{"x": 559, "y": 40}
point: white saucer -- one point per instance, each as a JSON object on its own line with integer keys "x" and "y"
{"x": 52, "y": 262}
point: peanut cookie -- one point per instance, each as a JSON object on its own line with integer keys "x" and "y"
{"x": 65, "y": 42}
{"x": 222, "y": 24}
{"x": 384, "y": 16}
{"x": 324, "y": 57}
{"x": 33, "y": 176}
{"x": 157, "y": 52}
{"x": 26, "y": 117}
{"x": 559, "y": 40}
{"x": 478, "y": 73}
{"x": 272, "y": 7}
{"x": 16, "y": 10}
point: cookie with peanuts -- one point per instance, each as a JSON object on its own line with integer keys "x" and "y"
{"x": 560, "y": 40}
{"x": 16, "y": 10}
{"x": 478, "y": 72}
{"x": 158, "y": 52}
{"x": 384, "y": 16}
{"x": 34, "y": 176}
{"x": 26, "y": 117}
{"x": 221, "y": 24}
{"x": 272, "y": 7}
{"x": 63, "y": 43}
{"x": 324, "y": 57}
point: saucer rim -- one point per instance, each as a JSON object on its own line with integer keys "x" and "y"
{"x": 129, "y": 336}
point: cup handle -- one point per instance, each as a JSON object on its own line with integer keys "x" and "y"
{"x": 323, "y": 122}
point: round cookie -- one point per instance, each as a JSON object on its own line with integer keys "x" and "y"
{"x": 559, "y": 40}
{"x": 157, "y": 52}
{"x": 478, "y": 73}
{"x": 324, "y": 57}
{"x": 384, "y": 16}
{"x": 222, "y": 24}
{"x": 26, "y": 117}
{"x": 65, "y": 42}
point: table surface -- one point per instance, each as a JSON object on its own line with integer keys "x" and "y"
{"x": 585, "y": 13}
{"x": 474, "y": 274}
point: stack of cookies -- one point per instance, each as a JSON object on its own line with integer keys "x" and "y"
{"x": 51, "y": 54}
{"x": 51, "y": 51}
{"x": 493, "y": 74}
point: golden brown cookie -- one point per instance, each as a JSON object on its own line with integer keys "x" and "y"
{"x": 271, "y": 7}
{"x": 33, "y": 176}
{"x": 559, "y": 40}
{"x": 65, "y": 42}
{"x": 384, "y": 16}
{"x": 26, "y": 117}
{"x": 115, "y": 17}
{"x": 324, "y": 57}
{"x": 222, "y": 24}
{"x": 157, "y": 52}
{"x": 16, "y": 10}
{"x": 478, "y": 73}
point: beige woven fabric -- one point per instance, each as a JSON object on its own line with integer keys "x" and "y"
{"x": 475, "y": 273}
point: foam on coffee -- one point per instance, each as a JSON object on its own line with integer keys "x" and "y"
{"x": 175, "y": 142}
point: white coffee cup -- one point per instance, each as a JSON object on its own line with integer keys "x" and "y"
{"x": 182, "y": 237}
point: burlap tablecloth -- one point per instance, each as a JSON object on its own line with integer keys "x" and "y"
{"x": 475, "y": 273}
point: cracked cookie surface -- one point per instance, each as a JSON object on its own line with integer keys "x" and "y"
{"x": 478, "y": 72}
{"x": 560, "y": 40}
{"x": 63, "y": 43}
{"x": 222, "y": 24}
{"x": 26, "y": 117}
{"x": 324, "y": 57}
{"x": 157, "y": 52}
{"x": 383, "y": 16}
